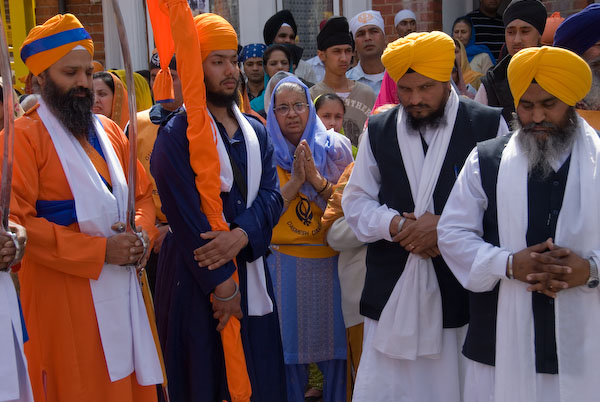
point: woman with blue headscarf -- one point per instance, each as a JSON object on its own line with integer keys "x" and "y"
{"x": 303, "y": 268}
{"x": 480, "y": 57}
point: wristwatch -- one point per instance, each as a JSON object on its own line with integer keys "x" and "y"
{"x": 593, "y": 280}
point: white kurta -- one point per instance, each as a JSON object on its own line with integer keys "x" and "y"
{"x": 381, "y": 378}
{"x": 479, "y": 266}
{"x": 384, "y": 379}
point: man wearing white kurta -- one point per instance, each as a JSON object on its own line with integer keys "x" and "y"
{"x": 408, "y": 160}
{"x": 520, "y": 231}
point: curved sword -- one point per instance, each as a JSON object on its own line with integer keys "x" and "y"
{"x": 131, "y": 179}
{"x": 9, "y": 141}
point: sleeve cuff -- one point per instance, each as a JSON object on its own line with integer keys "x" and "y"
{"x": 386, "y": 219}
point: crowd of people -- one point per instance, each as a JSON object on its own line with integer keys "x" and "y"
{"x": 406, "y": 221}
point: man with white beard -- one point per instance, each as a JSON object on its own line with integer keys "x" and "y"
{"x": 520, "y": 231}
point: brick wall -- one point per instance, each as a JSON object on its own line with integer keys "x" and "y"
{"x": 89, "y": 13}
{"x": 566, "y": 7}
{"x": 429, "y": 14}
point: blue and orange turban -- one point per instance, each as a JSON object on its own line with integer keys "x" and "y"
{"x": 559, "y": 72}
{"x": 428, "y": 53}
{"x": 47, "y": 43}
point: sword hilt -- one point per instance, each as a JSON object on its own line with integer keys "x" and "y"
{"x": 124, "y": 228}
{"x": 140, "y": 236}
{"x": 19, "y": 249}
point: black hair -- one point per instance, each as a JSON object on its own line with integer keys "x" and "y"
{"x": 272, "y": 48}
{"x": 328, "y": 97}
{"x": 107, "y": 78}
{"x": 464, "y": 19}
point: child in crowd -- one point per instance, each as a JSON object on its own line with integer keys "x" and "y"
{"x": 330, "y": 109}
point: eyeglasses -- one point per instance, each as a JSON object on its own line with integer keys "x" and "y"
{"x": 283, "y": 110}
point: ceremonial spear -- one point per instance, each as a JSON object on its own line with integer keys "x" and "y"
{"x": 9, "y": 141}
{"x": 131, "y": 180}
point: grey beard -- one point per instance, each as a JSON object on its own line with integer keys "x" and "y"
{"x": 592, "y": 99}
{"x": 542, "y": 152}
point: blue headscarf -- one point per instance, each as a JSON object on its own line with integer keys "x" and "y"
{"x": 252, "y": 50}
{"x": 580, "y": 31}
{"x": 331, "y": 151}
{"x": 472, "y": 48}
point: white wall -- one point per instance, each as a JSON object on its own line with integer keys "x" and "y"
{"x": 134, "y": 16}
{"x": 353, "y": 7}
{"x": 452, "y": 9}
{"x": 253, "y": 15}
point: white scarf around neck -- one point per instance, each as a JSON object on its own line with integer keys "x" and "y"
{"x": 410, "y": 325}
{"x": 125, "y": 332}
{"x": 259, "y": 302}
{"x": 577, "y": 310}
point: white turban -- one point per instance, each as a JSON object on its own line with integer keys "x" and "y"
{"x": 403, "y": 15}
{"x": 369, "y": 17}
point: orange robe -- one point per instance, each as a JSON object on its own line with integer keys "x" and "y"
{"x": 64, "y": 353}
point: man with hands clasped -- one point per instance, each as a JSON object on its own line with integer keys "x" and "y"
{"x": 415, "y": 310}
{"x": 519, "y": 231}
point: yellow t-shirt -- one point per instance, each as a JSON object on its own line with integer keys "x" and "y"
{"x": 299, "y": 232}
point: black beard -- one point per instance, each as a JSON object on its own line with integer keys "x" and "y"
{"x": 433, "y": 121}
{"x": 541, "y": 152}
{"x": 220, "y": 99}
{"x": 72, "y": 109}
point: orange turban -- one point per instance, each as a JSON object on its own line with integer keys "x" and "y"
{"x": 428, "y": 53}
{"x": 47, "y": 43}
{"x": 552, "y": 24}
{"x": 558, "y": 71}
{"x": 214, "y": 33}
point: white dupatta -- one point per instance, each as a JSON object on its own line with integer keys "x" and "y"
{"x": 410, "y": 325}
{"x": 122, "y": 319}
{"x": 14, "y": 378}
{"x": 259, "y": 302}
{"x": 577, "y": 310}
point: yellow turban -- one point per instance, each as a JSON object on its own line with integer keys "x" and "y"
{"x": 214, "y": 33}
{"x": 558, "y": 71}
{"x": 47, "y": 43}
{"x": 428, "y": 53}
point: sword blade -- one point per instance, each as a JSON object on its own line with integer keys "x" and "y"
{"x": 9, "y": 132}
{"x": 132, "y": 117}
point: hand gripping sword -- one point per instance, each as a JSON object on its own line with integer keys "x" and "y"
{"x": 131, "y": 178}
{"x": 9, "y": 141}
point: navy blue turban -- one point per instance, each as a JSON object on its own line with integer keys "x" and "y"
{"x": 580, "y": 31}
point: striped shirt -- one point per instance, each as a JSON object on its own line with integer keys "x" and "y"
{"x": 488, "y": 31}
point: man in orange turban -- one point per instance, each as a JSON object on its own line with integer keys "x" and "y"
{"x": 520, "y": 231}
{"x": 90, "y": 338}
{"x": 408, "y": 160}
{"x": 197, "y": 290}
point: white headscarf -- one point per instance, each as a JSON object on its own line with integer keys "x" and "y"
{"x": 369, "y": 17}
{"x": 404, "y": 15}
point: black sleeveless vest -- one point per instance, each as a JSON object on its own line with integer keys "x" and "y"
{"x": 497, "y": 89}
{"x": 386, "y": 260}
{"x": 545, "y": 199}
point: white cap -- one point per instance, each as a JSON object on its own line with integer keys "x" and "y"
{"x": 369, "y": 17}
{"x": 404, "y": 15}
